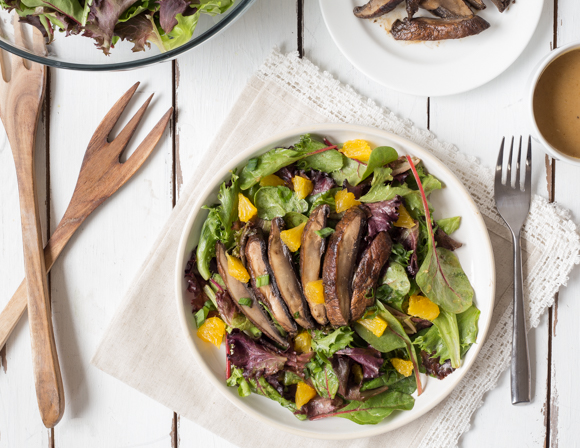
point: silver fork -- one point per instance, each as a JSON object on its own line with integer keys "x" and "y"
{"x": 513, "y": 204}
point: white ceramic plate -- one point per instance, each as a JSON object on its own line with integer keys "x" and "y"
{"x": 431, "y": 68}
{"x": 476, "y": 257}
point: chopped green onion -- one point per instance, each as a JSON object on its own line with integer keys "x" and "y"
{"x": 201, "y": 315}
{"x": 245, "y": 301}
{"x": 296, "y": 315}
{"x": 263, "y": 280}
{"x": 323, "y": 233}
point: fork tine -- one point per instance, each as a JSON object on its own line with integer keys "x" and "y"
{"x": 499, "y": 164}
{"x": 147, "y": 145}
{"x": 112, "y": 117}
{"x": 508, "y": 179}
{"x": 518, "y": 182}
{"x": 528, "y": 181}
{"x": 120, "y": 142}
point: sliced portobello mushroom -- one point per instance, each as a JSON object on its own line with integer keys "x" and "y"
{"x": 426, "y": 29}
{"x": 445, "y": 241}
{"x": 367, "y": 274}
{"x": 256, "y": 259}
{"x": 447, "y": 9}
{"x": 289, "y": 287}
{"x": 339, "y": 265}
{"x": 311, "y": 252}
{"x": 501, "y": 4}
{"x": 412, "y": 7}
{"x": 477, "y": 4}
{"x": 375, "y": 8}
{"x": 238, "y": 291}
{"x": 402, "y": 164}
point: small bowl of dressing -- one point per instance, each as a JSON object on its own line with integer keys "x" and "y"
{"x": 555, "y": 103}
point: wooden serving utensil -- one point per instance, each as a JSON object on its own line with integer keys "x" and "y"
{"x": 101, "y": 175}
{"x": 20, "y": 103}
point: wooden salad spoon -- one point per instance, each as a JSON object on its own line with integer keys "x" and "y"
{"x": 21, "y": 99}
{"x": 101, "y": 175}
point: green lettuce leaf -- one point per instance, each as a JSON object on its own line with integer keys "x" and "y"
{"x": 262, "y": 387}
{"x": 327, "y": 161}
{"x": 449, "y": 225}
{"x": 273, "y": 202}
{"x": 376, "y": 408}
{"x": 329, "y": 344}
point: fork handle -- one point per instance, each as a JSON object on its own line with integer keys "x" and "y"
{"x": 520, "y": 365}
{"x": 46, "y": 369}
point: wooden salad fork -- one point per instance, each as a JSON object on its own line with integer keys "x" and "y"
{"x": 21, "y": 100}
{"x": 101, "y": 175}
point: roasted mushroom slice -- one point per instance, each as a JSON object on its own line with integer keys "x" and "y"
{"x": 412, "y": 7}
{"x": 375, "y": 8}
{"x": 424, "y": 29}
{"x": 339, "y": 264}
{"x": 501, "y": 4}
{"x": 367, "y": 273}
{"x": 289, "y": 287}
{"x": 402, "y": 164}
{"x": 239, "y": 291}
{"x": 447, "y": 9}
{"x": 263, "y": 280}
{"x": 311, "y": 252}
{"x": 477, "y": 4}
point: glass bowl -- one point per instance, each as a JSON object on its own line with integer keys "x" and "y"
{"x": 77, "y": 52}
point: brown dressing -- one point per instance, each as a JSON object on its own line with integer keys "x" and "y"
{"x": 557, "y": 104}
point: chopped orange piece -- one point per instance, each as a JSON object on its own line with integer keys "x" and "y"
{"x": 314, "y": 292}
{"x": 236, "y": 269}
{"x": 357, "y": 149}
{"x": 212, "y": 330}
{"x": 246, "y": 209}
{"x": 302, "y": 186}
{"x": 402, "y": 366}
{"x": 271, "y": 181}
{"x": 405, "y": 219}
{"x": 376, "y": 325}
{"x": 422, "y": 307}
{"x": 304, "y": 393}
{"x": 302, "y": 342}
{"x": 293, "y": 237}
{"x": 344, "y": 200}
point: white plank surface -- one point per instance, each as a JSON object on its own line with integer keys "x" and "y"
{"x": 93, "y": 273}
{"x": 103, "y": 257}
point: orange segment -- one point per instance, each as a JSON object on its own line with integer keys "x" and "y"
{"x": 344, "y": 200}
{"x": 405, "y": 219}
{"x": 236, "y": 269}
{"x": 422, "y": 307}
{"x": 357, "y": 149}
{"x": 293, "y": 237}
{"x": 271, "y": 181}
{"x": 376, "y": 325}
{"x": 302, "y": 342}
{"x": 302, "y": 186}
{"x": 314, "y": 292}
{"x": 304, "y": 393}
{"x": 212, "y": 330}
{"x": 402, "y": 366}
{"x": 246, "y": 209}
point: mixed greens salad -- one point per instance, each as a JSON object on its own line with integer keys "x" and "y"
{"x": 331, "y": 284}
{"x": 166, "y": 23}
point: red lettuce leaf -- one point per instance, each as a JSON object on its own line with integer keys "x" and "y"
{"x": 103, "y": 16}
{"x": 409, "y": 238}
{"x": 168, "y": 10}
{"x": 383, "y": 215}
{"x": 369, "y": 358}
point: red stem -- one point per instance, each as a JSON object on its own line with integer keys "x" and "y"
{"x": 228, "y": 363}
{"x": 322, "y": 150}
{"x": 423, "y": 197}
{"x": 216, "y": 284}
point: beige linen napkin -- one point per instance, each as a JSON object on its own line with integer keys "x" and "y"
{"x": 287, "y": 92}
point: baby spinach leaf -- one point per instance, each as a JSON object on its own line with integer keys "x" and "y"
{"x": 271, "y": 161}
{"x": 332, "y": 342}
{"x": 406, "y": 385}
{"x": 294, "y": 219}
{"x": 395, "y": 287}
{"x": 440, "y": 276}
{"x": 468, "y": 328}
{"x": 228, "y": 211}
{"x": 446, "y": 323}
{"x": 387, "y": 379}
{"x": 355, "y": 172}
{"x": 323, "y": 233}
{"x": 273, "y": 202}
{"x": 449, "y": 225}
{"x": 210, "y": 235}
{"x": 327, "y": 161}
{"x": 376, "y": 408}
{"x": 387, "y": 342}
{"x": 380, "y": 157}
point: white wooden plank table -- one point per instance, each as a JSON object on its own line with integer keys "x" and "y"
{"x": 101, "y": 260}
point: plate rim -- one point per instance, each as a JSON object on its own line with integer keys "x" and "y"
{"x": 443, "y": 92}
{"x": 220, "y": 384}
